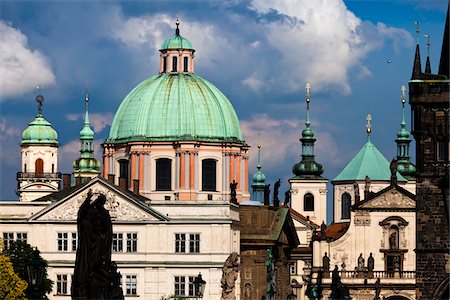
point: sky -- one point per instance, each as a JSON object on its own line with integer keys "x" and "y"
{"x": 260, "y": 54}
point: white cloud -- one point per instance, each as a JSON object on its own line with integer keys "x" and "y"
{"x": 154, "y": 29}
{"x": 21, "y": 69}
{"x": 98, "y": 121}
{"x": 255, "y": 84}
{"x": 321, "y": 41}
{"x": 7, "y": 131}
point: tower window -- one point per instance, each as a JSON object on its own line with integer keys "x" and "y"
{"x": 185, "y": 63}
{"x": 346, "y": 200}
{"x": 53, "y": 168}
{"x": 441, "y": 149}
{"x": 308, "y": 202}
{"x": 25, "y": 168}
{"x": 164, "y": 64}
{"x": 163, "y": 174}
{"x": 39, "y": 166}
{"x": 209, "y": 175}
{"x": 174, "y": 64}
{"x": 123, "y": 168}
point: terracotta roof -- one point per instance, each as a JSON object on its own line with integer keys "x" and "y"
{"x": 335, "y": 230}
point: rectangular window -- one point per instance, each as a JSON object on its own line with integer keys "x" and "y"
{"x": 164, "y": 64}
{"x": 163, "y": 174}
{"x": 131, "y": 285}
{"x": 186, "y": 64}
{"x": 131, "y": 242}
{"x": 194, "y": 243}
{"x": 180, "y": 242}
{"x": 174, "y": 64}
{"x": 62, "y": 241}
{"x": 22, "y": 236}
{"x": 180, "y": 288}
{"x": 209, "y": 175}
{"x": 74, "y": 241}
{"x": 8, "y": 237}
{"x": 441, "y": 149}
{"x": 293, "y": 268}
{"x": 61, "y": 284}
{"x": 192, "y": 288}
{"x": 117, "y": 242}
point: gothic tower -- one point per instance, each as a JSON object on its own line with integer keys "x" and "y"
{"x": 429, "y": 99}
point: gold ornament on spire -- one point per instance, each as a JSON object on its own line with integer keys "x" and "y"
{"x": 369, "y": 125}
{"x": 427, "y": 36}
{"x": 417, "y": 31}
{"x": 86, "y": 98}
{"x": 308, "y": 95}
{"x": 403, "y": 89}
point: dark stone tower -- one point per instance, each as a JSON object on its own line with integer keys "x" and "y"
{"x": 430, "y": 100}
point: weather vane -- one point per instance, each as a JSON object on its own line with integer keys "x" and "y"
{"x": 369, "y": 125}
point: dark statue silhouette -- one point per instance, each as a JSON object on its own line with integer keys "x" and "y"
{"x": 95, "y": 276}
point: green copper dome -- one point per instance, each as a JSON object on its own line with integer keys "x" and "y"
{"x": 367, "y": 162}
{"x": 40, "y": 131}
{"x": 177, "y": 42}
{"x": 259, "y": 179}
{"x": 175, "y": 107}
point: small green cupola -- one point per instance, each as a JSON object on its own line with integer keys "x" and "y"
{"x": 86, "y": 166}
{"x": 39, "y": 131}
{"x": 404, "y": 165}
{"x": 308, "y": 168}
{"x": 259, "y": 181}
{"x": 177, "y": 41}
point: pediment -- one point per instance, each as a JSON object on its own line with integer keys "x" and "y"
{"x": 391, "y": 199}
{"x": 121, "y": 207}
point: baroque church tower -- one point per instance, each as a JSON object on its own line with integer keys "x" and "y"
{"x": 308, "y": 187}
{"x": 86, "y": 166}
{"x": 429, "y": 98}
{"x": 39, "y": 173}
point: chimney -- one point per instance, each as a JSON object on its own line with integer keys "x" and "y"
{"x": 123, "y": 183}
{"x": 66, "y": 180}
{"x": 111, "y": 177}
{"x": 78, "y": 181}
{"x": 136, "y": 186}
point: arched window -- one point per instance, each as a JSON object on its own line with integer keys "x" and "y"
{"x": 308, "y": 202}
{"x": 346, "y": 201}
{"x": 209, "y": 175}
{"x": 39, "y": 166}
{"x": 174, "y": 64}
{"x": 185, "y": 64}
{"x": 163, "y": 174}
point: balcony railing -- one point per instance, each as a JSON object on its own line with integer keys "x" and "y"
{"x": 30, "y": 175}
{"x": 377, "y": 274}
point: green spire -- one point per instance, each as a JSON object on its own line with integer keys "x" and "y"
{"x": 86, "y": 165}
{"x": 259, "y": 180}
{"x": 404, "y": 165}
{"x": 307, "y": 168}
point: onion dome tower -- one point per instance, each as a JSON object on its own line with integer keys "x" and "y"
{"x": 176, "y": 136}
{"x": 259, "y": 181}
{"x": 308, "y": 187}
{"x": 39, "y": 175}
{"x": 368, "y": 171}
{"x": 404, "y": 165}
{"x": 86, "y": 166}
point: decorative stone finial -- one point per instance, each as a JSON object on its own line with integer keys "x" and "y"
{"x": 40, "y": 100}
{"x": 369, "y": 124}
{"x": 427, "y": 36}
{"x": 417, "y": 31}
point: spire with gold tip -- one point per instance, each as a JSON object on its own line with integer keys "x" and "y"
{"x": 404, "y": 165}
{"x": 308, "y": 168}
{"x": 86, "y": 166}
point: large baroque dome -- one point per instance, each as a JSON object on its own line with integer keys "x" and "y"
{"x": 176, "y": 105}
